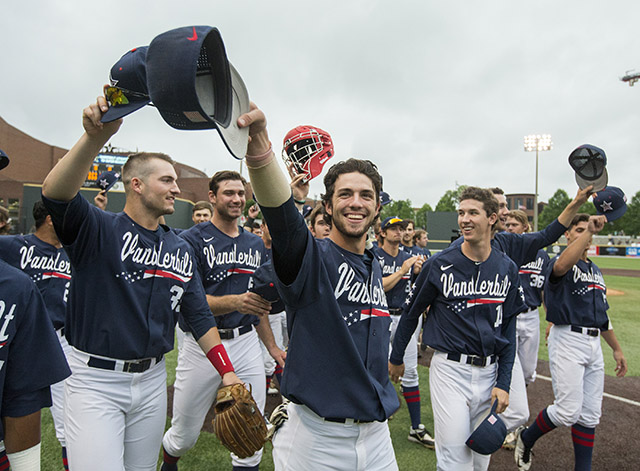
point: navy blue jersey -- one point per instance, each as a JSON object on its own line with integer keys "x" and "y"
{"x": 415, "y": 250}
{"x": 389, "y": 265}
{"x": 472, "y": 308}
{"x": 338, "y": 323}
{"x": 226, "y": 265}
{"x": 523, "y": 248}
{"x": 31, "y": 358}
{"x": 129, "y": 283}
{"x": 46, "y": 265}
{"x": 577, "y": 298}
{"x": 532, "y": 277}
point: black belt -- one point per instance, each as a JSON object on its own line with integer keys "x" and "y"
{"x": 227, "y": 334}
{"x": 395, "y": 312}
{"x": 585, "y": 330}
{"x": 136, "y": 366}
{"x": 344, "y": 421}
{"x": 472, "y": 359}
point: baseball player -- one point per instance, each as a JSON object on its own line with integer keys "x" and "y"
{"x": 398, "y": 268}
{"x": 420, "y": 241}
{"x": 132, "y": 277}
{"x": 319, "y": 223}
{"x": 201, "y": 212}
{"x": 527, "y": 333}
{"x": 336, "y": 376}
{"x": 226, "y": 258}
{"x": 31, "y": 360}
{"x": 42, "y": 258}
{"x": 472, "y": 293}
{"x": 407, "y": 239}
{"x": 576, "y": 301}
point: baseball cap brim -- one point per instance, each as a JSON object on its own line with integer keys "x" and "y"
{"x": 236, "y": 139}
{"x": 615, "y": 214}
{"x": 120, "y": 111}
{"x": 598, "y": 183}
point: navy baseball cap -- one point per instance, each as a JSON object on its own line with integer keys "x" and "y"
{"x": 4, "y": 159}
{"x": 384, "y": 198}
{"x": 489, "y": 435}
{"x": 590, "y": 165}
{"x": 393, "y": 221}
{"x": 264, "y": 285}
{"x": 128, "y": 85}
{"x": 193, "y": 85}
{"x": 306, "y": 210}
{"x": 107, "y": 179}
{"x": 610, "y": 202}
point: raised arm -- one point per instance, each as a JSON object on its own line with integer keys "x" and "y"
{"x": 66, "y": 178}
{"x": 574, "y": 251}
{"x": 566, "y": 216}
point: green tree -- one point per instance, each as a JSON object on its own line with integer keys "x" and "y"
{"x": 630, "y": 221}
{"x": 556, "y": 205}
{"x": 400, "y": 208}
{"x": 449, "y": 201}
{"x": 421, "y": 215}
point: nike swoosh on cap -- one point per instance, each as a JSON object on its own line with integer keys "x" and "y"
{"x": 195, "y": 35}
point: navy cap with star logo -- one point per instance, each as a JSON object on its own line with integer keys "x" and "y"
{"x": 107, "y": 179}
{"x": 610, "y": 202}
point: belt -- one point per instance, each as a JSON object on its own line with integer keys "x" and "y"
{"x": 227, "y": 334}
{"x": 473, "y": 360}
{"x": 347, "y": 421}
{"x": 134, "y": 366}
{"x": 591, "y": 332}
{"x": 395, "y": 312}
{"x": 531, "y": 309}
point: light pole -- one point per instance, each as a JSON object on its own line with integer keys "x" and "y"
{"x": 537, "y": 142}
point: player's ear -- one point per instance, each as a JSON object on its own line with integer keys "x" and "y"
{"x": 493, "y": 218}
{"x": 212, "y": 197}
{"x": 136, "y": 184}
{"x": 328, "y": 208}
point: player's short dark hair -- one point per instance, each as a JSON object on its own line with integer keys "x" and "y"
{"x": 223, "y": 175}
{"x": 135, "y": 165}
{"x": 578, "y": 218}
{"x": 40, "y": 213}
{"x": 496, "y": 190}
{"x": 489, "y": 202}
{"x": 366, "y": 167}
{"x": 200, "y": 205}
{"x": 410, "y": 221}
{"x": 316, "y": 212}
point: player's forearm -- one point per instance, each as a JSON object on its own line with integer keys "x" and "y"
{"x": 609, "y": 336}
{"x": 66, "y": 178}
{"x": 265, "y": 333}
{"x": 220, "y": 305}
{"x": 390, "y": 281}
{"x": 507, "y": 356}
{"x": 569, "y": 212}
{"x": 570, "y": 256}
{"x": 21, "y": 433}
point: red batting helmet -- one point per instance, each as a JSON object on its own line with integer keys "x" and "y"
{"x": 307, "y": 148}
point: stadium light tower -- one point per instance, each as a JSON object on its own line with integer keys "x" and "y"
{"x": 537, "y": 142}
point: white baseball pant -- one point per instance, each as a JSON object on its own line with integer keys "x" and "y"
{"x": 196, "y": 387}
{"x": 114, "y": 420}
{"x": 57, "y": 395}
{"x": 460, "y": 395}
{"x": 517, "y": 413}
{"x": 577, "y": 375}
{"x": 306, "y": 441}
{"x": 410, "y": 378}
{"x": 528, "y": 340}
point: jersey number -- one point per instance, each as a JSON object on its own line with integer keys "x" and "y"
{"x": 498, "y": 315}
{"x": 537, "y": 281}
{"x": 177, "y": 291}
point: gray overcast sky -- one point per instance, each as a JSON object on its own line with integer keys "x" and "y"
{"x": 434, "y": 92}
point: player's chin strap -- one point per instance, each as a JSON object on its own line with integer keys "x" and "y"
{"x": 25, "y": 460}
{"x": 268, "y": 181}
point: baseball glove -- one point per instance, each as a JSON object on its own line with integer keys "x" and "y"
{"x": 238, "y": 423}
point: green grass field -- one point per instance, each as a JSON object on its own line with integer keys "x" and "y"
{"x": 209, "y": 455}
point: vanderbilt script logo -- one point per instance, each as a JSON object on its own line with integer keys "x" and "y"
{"x": 37, "y": 262}
{"x": 475, "y": 287}
{"x": 232, "y": 257}
{"x": 177, "y": 262}
{"x": 358, "y": 291}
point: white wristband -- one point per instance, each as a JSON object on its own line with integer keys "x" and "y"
{"x": 25, "y": 460}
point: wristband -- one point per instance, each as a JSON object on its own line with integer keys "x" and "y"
{"x": 300, "y": 201}
{"x": 220, "y": 360}
{"x": 257, "y": 161}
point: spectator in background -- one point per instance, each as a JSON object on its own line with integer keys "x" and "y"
{"x": 319, "y": 223}
{"x": 202, "y": 212}
{"x": 407, "y": 237}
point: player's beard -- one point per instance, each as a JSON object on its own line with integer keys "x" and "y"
{"x": 341, "y": 224}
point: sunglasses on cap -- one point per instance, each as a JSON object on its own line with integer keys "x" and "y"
{"x": 120, "y": 96}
